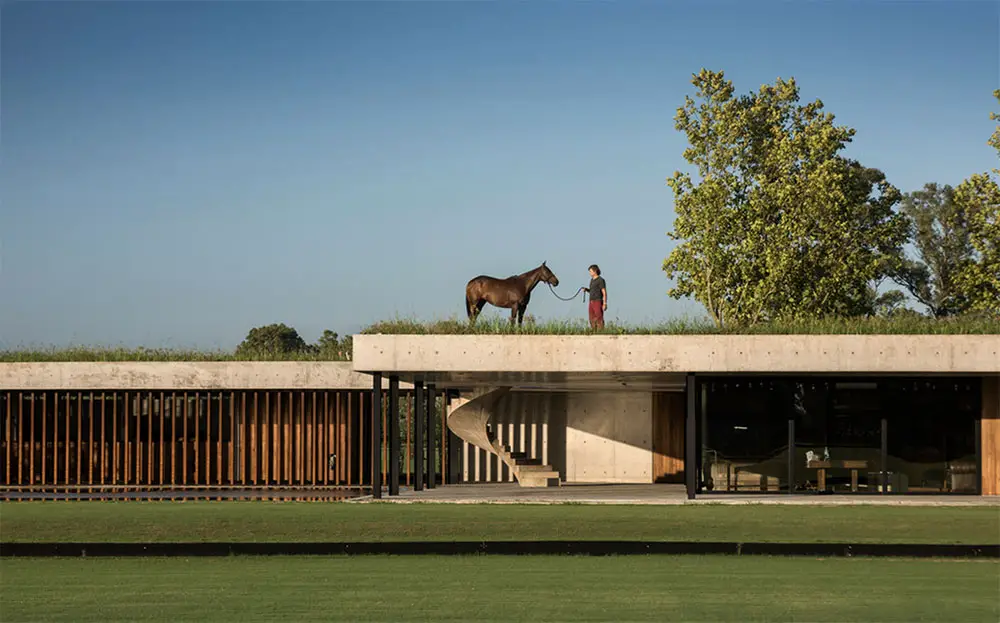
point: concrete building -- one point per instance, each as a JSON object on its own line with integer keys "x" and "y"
{"x": 779, "y": 413}
{"x": 776, "y": 414}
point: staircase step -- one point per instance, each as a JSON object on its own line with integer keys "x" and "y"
{"x": 530, "y": 469}
{"x": 539, "y": 479}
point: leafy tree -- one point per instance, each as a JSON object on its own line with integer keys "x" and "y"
{"x": 979, "y": 196}
{"x": 777, "y": 223}
{"x": 994, "y": 141}
{"x": 271, "y": 340}
{"x": 331, "y": 346}
{"x": 939, "y": 228}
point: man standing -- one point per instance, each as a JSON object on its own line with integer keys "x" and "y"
{"x": 598, "y": 297}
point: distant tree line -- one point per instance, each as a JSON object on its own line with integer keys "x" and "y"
{"x": 777, "y": 223}
{"x": 279, "y": 340}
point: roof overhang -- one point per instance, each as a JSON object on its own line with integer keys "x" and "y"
{"x": 659, "y": 362}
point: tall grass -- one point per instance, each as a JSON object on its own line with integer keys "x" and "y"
{"x": 100, "y": 353}
{"x": 906, "y": 325}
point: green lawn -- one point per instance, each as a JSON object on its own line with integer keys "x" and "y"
{"x": 481, "y": 588}
{"x": 272, "y": 521}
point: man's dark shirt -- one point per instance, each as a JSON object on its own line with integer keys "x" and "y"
{"x": 596, "y": 285}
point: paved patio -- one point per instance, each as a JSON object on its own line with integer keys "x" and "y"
{"x": 663, "y": 494}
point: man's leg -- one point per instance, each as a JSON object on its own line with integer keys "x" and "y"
{"x": 600, "y": 315}
{"x": 591, "y": 313}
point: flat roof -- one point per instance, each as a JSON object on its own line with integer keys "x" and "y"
{"x": 182, "y": 375}
{"x": 660, "y": 361}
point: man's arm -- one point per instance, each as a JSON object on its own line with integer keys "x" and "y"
{"x": 604, "y": 297}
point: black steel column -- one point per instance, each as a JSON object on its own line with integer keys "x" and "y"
{"x": 884, "y": 459}
{"x": 418, "y": 436}
{"x": 791, "y": 456}
{"x": 979, "y": 456}
{"x": 376, "y": 441}
{"x": 691, "y": 447}
{"x": 431, "y": 437}
{"x": 393, "y": 420}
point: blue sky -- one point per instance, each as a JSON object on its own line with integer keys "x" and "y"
{"x": 175, "y": 173}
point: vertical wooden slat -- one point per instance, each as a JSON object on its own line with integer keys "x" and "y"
{"x": 184, "y": 443}
{"x": 254, "y": 432}
{"x": 31, "y": 440}
{"x": 10, "y": 439}
{"x": 161, "y": 459}
{"x": 138, "y": 437}
{"x": 79, "y": 438}
{"x": 125, "y": 436}
{"x": 149, "y": 440}
{"x": 197, "y": 438}
{"x": 300, "y": 467}
{"x": 232, "y": 430}
{"x": 90, "y": 445}
{"x": 45, "y": 417}
{"x": 20, "y": 438}
{"x": 265, "y": 441}
{"x": 339, "y": 473}
{"x": 324, "y": 452}
{"x": 208, "y": 437}
{"x": 288, "y": 442}
{"x": 311, "y": 471}
{"x": 55, "y": 439}
{"x": 115, "y": 455}
{"x": 285, "y": 443}
{"x": 104, "y": 440}
{"x": 173, "y": 438}
{"x": 218, "y": 444}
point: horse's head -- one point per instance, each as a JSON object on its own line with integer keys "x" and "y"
{"x": 548, "y": 276}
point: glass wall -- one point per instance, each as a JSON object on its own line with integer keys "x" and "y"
{"x": 825, "y": 435}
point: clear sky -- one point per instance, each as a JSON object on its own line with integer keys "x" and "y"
{"x": 176, "y": 173}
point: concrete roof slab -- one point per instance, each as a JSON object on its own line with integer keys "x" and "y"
{"x": 504, "y": 355}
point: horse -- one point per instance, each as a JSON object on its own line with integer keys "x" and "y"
{"x": 512, "y": 293}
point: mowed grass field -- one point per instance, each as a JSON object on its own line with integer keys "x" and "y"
{"x": 484, "y": 588}
{"x": 314, "y": 522}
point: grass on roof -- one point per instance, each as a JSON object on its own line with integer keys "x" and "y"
{"x": 102, "y": 353}
{"x": 908, "y": 325}
{"x": 498, "y": 325}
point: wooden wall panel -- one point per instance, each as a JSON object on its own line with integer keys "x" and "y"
{"x": 990, "y": 435}
{"x": 668, "y": 436}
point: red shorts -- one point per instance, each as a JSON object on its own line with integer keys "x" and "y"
{"x": 596, "y": 310}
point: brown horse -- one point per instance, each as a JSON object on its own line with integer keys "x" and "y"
{"x": 512, "y": 293}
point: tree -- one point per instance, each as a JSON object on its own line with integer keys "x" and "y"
{"x": 939, "y": 228}
{"x": 994, "y": 141}
{"x": 331, "y": 346}
{"x": 777, "y": 223}
{"x": 272, "y": 340}
{"x": 979, "y": 196}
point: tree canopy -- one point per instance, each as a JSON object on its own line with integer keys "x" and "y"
{"x": 776, "y": 222}
{"x": 272, "y": 339}
{"x": 939, "y": 228}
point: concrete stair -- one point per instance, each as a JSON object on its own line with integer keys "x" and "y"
{"x": 527, "y": 471}
{"x": 471, "y": 422}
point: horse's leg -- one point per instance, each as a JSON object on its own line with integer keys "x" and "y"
{"x": 513, "y": 314}
{"x": 475, "y": 309}
{"x": 522, "y": 308}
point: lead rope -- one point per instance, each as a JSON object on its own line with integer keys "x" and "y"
{"x": 570, "y": 298}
